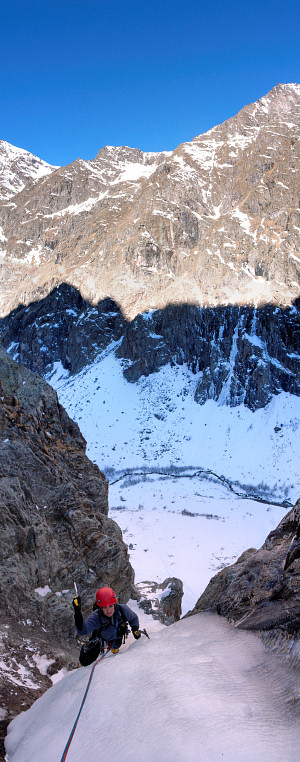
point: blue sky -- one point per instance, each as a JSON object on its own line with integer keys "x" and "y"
{"x": 77, "y": 75}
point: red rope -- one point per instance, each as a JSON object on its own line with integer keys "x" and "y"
{"x": 68, "y": 744}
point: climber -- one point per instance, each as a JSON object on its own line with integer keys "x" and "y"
{"x": 108, "y": 620}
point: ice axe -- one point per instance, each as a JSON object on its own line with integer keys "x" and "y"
{"x": 76, "y": 600}
{"x": 144, "y": 632}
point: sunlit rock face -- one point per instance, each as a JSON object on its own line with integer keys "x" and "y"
{"x": 261, "y": 591}
{"x": 214, "y": 222}
{"x": 19, "y": 168}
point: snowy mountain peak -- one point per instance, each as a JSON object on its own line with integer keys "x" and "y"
{"x": 19, "y": 167}
{"x": 215, "y": 222}
{"x": 280, "y": 101}
{"x": 120, "y": 164}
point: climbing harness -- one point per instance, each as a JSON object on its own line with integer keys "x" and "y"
{"x": 68, "y": 744}
{"x": 121, "y": 630}
{"x": 92, "y": 648}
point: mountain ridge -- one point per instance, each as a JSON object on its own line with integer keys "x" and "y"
{"x": 237, "y": 354}
{"x": 19, "y": 167}
{"x": 215, "y": 221}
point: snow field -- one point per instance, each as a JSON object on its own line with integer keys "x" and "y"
{"x": 198, "y": 690}
{"x": 164, "y": 542}
{"x": 156, "y": 422}
{"x": 155, "y": 425}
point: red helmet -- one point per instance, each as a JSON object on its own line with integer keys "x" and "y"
{"x": 105, "y": 596}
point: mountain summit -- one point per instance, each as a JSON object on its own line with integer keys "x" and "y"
{"x": 214, "y": 222}
{"x": 18, "y": 168}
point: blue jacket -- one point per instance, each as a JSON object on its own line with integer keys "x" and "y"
{"x": 107, "y": 625}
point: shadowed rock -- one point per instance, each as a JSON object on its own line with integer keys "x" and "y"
{"x": 239, "y": 355}
{"x": 162, "y": 601}
{"x": 54, "y": 529}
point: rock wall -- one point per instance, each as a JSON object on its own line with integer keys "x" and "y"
{"x": 214, "y": 222}
{"x": 54, "y": 504}
{"x": 54, "y": 529}
{"x": 163, "y": 601}
{"x": 261, "y": 591}
{"x": 240, "y": 354}
{"x": 62, "y": 327}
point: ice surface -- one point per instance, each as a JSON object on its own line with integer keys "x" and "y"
{"x": 198, "y": 690}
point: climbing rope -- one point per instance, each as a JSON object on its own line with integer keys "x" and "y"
{"x": 110, "y": 648}
{"x": 68, "y": 744}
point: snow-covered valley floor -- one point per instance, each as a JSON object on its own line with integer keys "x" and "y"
{"x": 181, "y": 474}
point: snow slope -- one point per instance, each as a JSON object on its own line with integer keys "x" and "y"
{"x": 183, "y": 476}
{"x": 198, "y": 690}
{"x": 156, "y": 423}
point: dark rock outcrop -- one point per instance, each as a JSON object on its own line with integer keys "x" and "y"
{"x": 243, "y": 355}
{"x": 162, "y": 601}
{"x": 62, "y": 327}
{"x": 261, "y": 591}
{"x": 54, "y": 529}
{"x": 240, "y": 354}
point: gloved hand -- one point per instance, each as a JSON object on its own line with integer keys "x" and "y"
{"x": 77, "y": 603}
{"x": 77, "y": 612}
{"x": 136, "y": 634}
